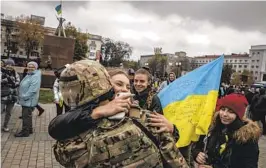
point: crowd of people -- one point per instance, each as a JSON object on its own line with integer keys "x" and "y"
{"x": 98, "y": 136}
{"x": 22, "y": 90}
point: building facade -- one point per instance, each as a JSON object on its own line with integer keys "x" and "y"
{"x": 254, "y": 62}
{"x": 258, "y": 62}
{"x": 9, "y": 43}
{"x": 94, "y": 46}
{"x": 178, "y": 62}
{"x": 239, "y": 62}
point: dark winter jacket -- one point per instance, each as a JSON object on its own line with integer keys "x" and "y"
{"x": 249, "y": 96}
{"x": 151, "y": 102}
{"x": 260, "y": 106}
{"x": 9, "y": 84}
{"x": 72, "y": 123}
{"x": 148, "y": 100}
{"x": 77, "y": 120}
{"x": 255, "y": 109}
{"x": 241, "y": 149}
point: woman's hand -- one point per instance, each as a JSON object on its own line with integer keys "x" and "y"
{"x": 119, "y": 104}
{"x": 201, "y": 158}
{"x": 158, "y": 120}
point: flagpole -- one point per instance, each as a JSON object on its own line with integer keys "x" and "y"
{"x": 63, "y": 30}
{"x": 61, "y": 8}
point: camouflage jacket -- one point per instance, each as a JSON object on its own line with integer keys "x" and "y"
{"x": 128, "y": 143}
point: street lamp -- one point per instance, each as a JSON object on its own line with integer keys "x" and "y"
{"x": 8, "y": 53}
{"x": 178, "y": 63}
{"x": 8, "y": 32}
{"x": 179, "y": 68}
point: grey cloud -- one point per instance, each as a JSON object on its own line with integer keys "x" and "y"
{"x": 53, "y": 4}
{"x": 239, "y": 15}
{"x": 150, "y": 25}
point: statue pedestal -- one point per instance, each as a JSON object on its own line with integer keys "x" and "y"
{"x": 60, "y": 49}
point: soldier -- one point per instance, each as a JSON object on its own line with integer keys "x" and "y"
{"x": 126, "y": 141}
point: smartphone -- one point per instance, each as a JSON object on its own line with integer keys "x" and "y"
{"x": 121, "y": 115}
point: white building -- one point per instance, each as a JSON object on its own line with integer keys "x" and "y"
{"x": 239, "y": 62}
{"x": 258, "y": 62}
{"x": 144, "y": 60}
{"x": 94, "y": 43}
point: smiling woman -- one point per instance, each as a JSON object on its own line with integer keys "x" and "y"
{"x": 119, "y": 80}
{"x": 146, "y": 99}
{"x": 232, "y": 139}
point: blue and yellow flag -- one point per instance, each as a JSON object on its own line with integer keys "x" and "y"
{"x": 189, "y": 102}
{"x": 58, "y": 9}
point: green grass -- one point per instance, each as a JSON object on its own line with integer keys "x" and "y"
{"x": 46, "y": 96}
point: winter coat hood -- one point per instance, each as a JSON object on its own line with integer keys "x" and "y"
{"x": 250, "y": 131}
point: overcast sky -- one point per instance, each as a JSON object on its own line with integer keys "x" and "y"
{"x": 197, "y": 28}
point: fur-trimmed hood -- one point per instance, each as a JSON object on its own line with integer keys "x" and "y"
{"x": 249, "y": 132}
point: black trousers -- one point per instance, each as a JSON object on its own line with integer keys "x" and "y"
{"x": 9, "y": 108}
{"x": 39, "y": 108}
{"x": 59, "y": 110}
{"x": 27, "y": 118}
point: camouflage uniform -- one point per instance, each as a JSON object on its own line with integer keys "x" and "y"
{"x": 129, "y": 142}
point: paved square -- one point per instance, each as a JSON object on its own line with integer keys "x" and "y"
{"x": 36, "y": 151}
{"x": 33, "y": 151}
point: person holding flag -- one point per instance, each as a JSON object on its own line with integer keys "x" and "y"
{"x": 232, "y": 141}
{"x": 189, "y": 103}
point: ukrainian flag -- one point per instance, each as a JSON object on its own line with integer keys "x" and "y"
{"x": 189, "y": 102}
{"x": 58, "y": 9}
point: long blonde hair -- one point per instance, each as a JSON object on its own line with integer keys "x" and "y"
{"x": 117, "y": 71}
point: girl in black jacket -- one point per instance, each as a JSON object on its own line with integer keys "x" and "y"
{"x": 146, "y": 99}
{"x": 232, "y": 141}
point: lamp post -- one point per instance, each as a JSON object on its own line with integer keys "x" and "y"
{"x": 8, "y": 53}
{"x": 179, "y": 68}
{"x": 8, "y": 32}
{"x": 171, "y": 66}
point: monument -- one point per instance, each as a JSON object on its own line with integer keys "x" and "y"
{"x": 58, "y": 46}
